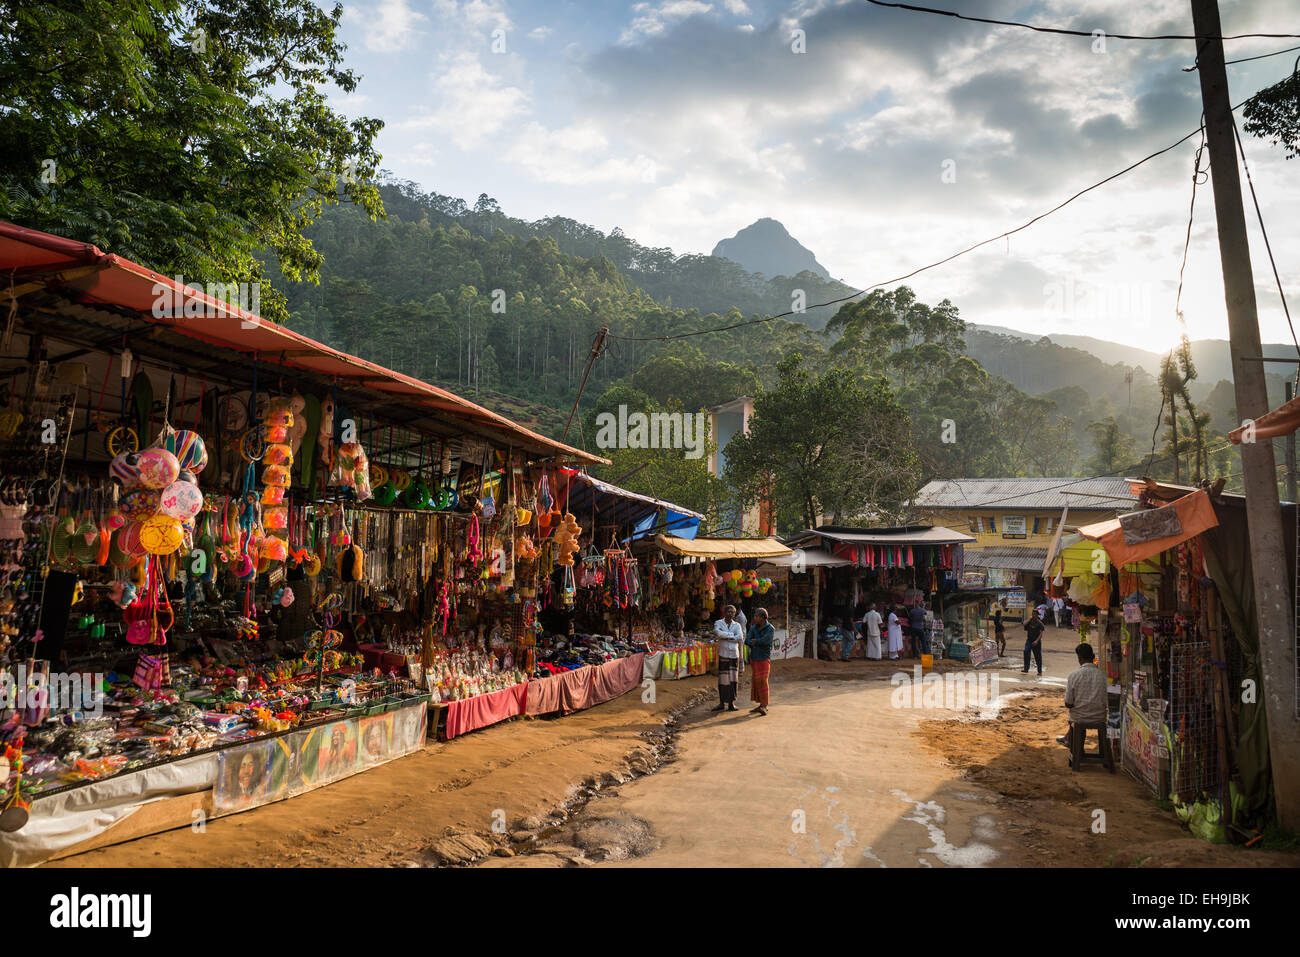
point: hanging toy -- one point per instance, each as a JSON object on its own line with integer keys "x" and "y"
{"x": 566, "y": 539}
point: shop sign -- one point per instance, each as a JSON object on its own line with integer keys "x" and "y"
{"x": 973, "y": 578}
{"x": 1002, "y": 577}
{"x": 1013, "y": 526}
{"x": 984, "y": 653}
{"x": 1141, "y": 746}
{"x": 1015, "y": 599}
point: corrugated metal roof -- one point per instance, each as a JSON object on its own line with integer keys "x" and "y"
{"x": 1108, "y": 494}
{"x": 908, "y": 535}
{"x": 1006, "y": 556}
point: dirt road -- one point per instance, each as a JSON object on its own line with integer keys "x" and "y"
{"x": 836, "y": 775}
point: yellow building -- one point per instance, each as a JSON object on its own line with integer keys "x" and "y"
{"x": 1015, "y": 521}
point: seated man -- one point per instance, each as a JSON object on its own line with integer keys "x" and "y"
{"x": 1085, "y": 693}
{"x": 832, "y": 640}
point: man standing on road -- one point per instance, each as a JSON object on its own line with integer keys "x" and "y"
{"x": 730, "y": 637}
{"x": 871, "y": 623}
{"x": 916, "y": 620}
{"x": 999, "y": 631}
{"x": 1058, "y": 609}
{"x": 1034, "y": 629}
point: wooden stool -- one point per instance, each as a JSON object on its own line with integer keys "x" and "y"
{"x": 1078, "y": 737}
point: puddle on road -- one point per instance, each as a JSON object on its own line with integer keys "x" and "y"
{"x": 931, "y": 815}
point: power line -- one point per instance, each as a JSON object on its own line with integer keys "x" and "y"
{"x": 1262, "y": 56}
{"x": 921, "y": 269}
{"x": 1079, "y": 33}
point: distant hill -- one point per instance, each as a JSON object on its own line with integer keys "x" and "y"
{"x": 766, "y": 247}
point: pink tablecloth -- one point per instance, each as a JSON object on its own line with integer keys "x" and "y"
{"x": 485, "y": 709}
{"x": 584, "y": 687}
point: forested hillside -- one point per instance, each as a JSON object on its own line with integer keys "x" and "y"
{"x": 505, "y": 311}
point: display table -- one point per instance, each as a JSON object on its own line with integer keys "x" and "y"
{"x": 378, "y": 656}
{"x": 584, "y": 687}
{"x": 233, "y": 777}
{"x": 484, "y": 709}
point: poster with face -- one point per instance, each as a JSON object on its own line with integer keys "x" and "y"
{"x": 286, "y": 776}
{"x": 336, "y": 751}
{"x": 377, "y": 738}
{"x": 242, "y": 777}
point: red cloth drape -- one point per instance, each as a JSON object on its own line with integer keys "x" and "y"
{"x": 485, "y": 709}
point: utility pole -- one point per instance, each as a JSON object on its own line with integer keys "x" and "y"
{"x": 1277, "y": 653}
{"x": 597, "y": 347}
{"x": 1290, "y": 452}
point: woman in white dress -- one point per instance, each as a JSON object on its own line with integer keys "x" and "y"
{"x": 895, "y": 637}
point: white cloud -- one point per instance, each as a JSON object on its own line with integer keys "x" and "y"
{"x": 480, "y": 15}
{"x": 738, "y": 7}
{"x": 652, "y": 21}
{"x": 389, "y": 27}
{"x": 576, "y": 155}
{"x": 539, "y": 33}
{"x": 473, "y": 103}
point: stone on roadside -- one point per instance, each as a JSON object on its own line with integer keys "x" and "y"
{"x": 459, "y": 849}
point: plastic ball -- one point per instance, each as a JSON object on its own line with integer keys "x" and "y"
{"x": 139, "y": 504}
{"x": 180, "y": 500}
{"x": 189, "y": 450}
{"x": 125, "y": 467}
{"x": 161, "y": 535}
{"x": 158, "y": 468}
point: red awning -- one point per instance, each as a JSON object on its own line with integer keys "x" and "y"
{"x": 1280, "y": 422}
{"x": 31, "y": 260}
{"x": 1189, "y": 515}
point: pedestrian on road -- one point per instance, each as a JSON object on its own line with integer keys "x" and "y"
{"x": 1042, "y": 610}
{"x": 895, "y": 635}
{"x": 872, "y": 622}
{"x": 759, "y": 642}
{"x": 1034, "y": 629}
{"x": 730, "y": 637}
{"x": 1058, "y": 609}
{"x": 920, "y": 643}
{"x": 999, "y": 631}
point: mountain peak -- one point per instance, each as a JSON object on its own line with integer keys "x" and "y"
{"x": 766, "y": 246}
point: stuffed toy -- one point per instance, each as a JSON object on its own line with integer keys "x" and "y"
{"x": 566, "y": 539}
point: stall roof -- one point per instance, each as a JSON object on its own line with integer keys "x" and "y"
{"x": 722, "y": 547}
{"x": 808, "y": 558}
{"x": 901, "y": 535}
{"x": 582, "y": 492}
{"x": 90, "y": 285}
{"x": 1006, "y": 556}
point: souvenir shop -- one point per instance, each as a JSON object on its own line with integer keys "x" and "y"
{"x": 239, "y": 564}
{"x": 897, "y": 568}
{"x": 1179, "y": 637}
{"x": 694, "y": 579}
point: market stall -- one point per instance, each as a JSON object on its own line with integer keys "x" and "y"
{"x": 1181, "y": 637}
{"x": 240, "y": 562}
{"x": 897, "y": 568}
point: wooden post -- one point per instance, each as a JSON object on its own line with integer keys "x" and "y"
{"x": 1290, "y": 453}
{"x": 1210, "y": 622}
{"x": 1273, "y": 609}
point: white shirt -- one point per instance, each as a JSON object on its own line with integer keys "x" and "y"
{"x": 873, "y": 623}
{"x": 730, "y": 637}
{"x": 1058, "y": 604}
{"x": 744, "y": 622}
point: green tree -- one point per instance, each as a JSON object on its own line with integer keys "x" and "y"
{"x": 1274, "y": 114}
{"x": 857, "y": 464}
{"x": 1115, "y": 449}
{"x": 190, "y": 135}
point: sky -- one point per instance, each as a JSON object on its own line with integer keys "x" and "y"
{"x": 883, "y": 139}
